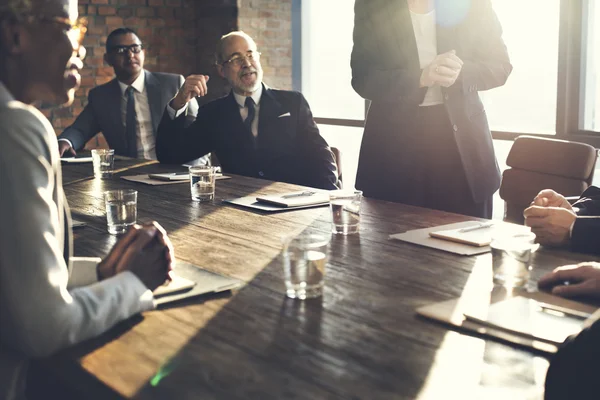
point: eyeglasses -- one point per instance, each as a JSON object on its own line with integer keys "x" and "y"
{"x": 239, "y": 59}
{"x": 122, "y": 50}
{"x": 75, "y": 29}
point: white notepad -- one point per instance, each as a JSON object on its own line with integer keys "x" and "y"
{"x": 302, "y": 198}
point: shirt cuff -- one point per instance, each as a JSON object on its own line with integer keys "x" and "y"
{"x": 136, "y": 286}
{"x": 83, "y": 271}
{"x": 66, "y": 140}
{"x": 174, "y": 114}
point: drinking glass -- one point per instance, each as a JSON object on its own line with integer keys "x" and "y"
{"x": 304, "y": 261}
{"x": 202, "y": 182}
{"x": 345, "y": 211}
{"x": 511, "y": 258}
{"x": 103, "y": 160}
{"x": 121, "y": 210}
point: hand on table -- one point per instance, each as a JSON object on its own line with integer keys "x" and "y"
{"x": 551, "y": 225}
{"x": 583, "y": 280}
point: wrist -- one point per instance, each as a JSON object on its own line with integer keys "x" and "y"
{"x": 176, "y": 104}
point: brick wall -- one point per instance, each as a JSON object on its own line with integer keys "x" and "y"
{"x": 180, "y": 37}
{"x": 269, "y": 22}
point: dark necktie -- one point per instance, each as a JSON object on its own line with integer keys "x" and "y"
{"x": 251, "y": 112}
{"x": 130, "y": 124}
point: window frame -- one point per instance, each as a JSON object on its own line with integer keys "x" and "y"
{"x": 570, "y": 92}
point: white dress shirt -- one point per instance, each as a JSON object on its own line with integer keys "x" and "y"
{"x": 425, "y": 35}
{"x": 146, "y": 143}
{"x": 240, "y": 100}
{"x": 44, "y": 305}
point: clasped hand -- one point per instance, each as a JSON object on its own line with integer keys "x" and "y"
{"x": 194, "y": 86}
{"x": 550, "y": 217}
{"x": 444, "y": 70}
{"x": 146, "y": 251}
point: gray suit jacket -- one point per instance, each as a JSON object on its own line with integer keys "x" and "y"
{"x": 44, "y": 305}
{"x": 103, "y": 111}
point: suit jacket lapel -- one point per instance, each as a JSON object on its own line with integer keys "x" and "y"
{"x": 154, "y": 99}
{"x": 232, "y": 114}
{"x": 404, "y": 38}
{"x": 270, "y": 110}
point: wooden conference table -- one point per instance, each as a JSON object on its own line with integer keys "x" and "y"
{"x": 361, "y": 340}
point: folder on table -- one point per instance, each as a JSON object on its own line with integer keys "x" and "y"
{"x": 295, "y": 199}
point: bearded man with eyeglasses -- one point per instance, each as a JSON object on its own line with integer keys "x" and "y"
{"x": 50, "y": 300}
{"x": 128, "y": 109}
{"x": 255, "y": 131}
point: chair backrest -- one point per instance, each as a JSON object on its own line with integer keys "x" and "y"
{"x": 538, "y": 163}
{"x": 337, "y": 154}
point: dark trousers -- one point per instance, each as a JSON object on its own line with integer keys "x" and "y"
{"x": 432, "y": 174}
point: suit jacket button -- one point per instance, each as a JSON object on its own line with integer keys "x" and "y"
{"x": 260, "y": 173}
{"x": 455, "y": 128}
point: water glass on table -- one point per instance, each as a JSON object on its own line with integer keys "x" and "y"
{"x": 511, "y": 258}
{"x": 304, "y": 261}
{"x": 345, "y": 211}
{"x": 202, "y": 182}
{"x": 104, "y": 161}
{"x": 121, "y": 210}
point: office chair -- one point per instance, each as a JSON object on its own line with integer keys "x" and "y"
{"x": 337, "y": 154}
{"x": 539, "y": 163}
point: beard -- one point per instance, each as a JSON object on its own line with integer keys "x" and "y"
{"x": 250, "y": 87}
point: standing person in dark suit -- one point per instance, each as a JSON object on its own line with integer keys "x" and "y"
{"x": 556, "y": 222}
{"x": 574, "y": 369}
{"x": 421, "y": 63}
{"x": 128, "y": 126}
{"x": 254, "y": 131}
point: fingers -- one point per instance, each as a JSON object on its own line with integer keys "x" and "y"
{"x": 585, "y": 288}
{"x": 537, "y": 212}
{"x": 117, "y": 251}
{"x": 560, "y": 275}
{"x": 164, "y": 240}
{"x": 196, "y": 85}
{"x": 144, "y": 236}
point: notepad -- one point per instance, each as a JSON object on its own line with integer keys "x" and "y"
{"x": 475, "y": 234}
{"x": 177, "y": 284}
{"x": 527, "y": 318}
{"x": 76, "y": 160}
{"x": 295, "y": 199}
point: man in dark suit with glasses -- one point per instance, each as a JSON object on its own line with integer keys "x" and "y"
{"x": 127, "y": 110}
{"x": 255, "y": 130}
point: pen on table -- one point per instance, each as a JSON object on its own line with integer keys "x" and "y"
{"x": 553, "y": 309}
{"x": 302, "y": 194}
{"x": 475, "y": 227}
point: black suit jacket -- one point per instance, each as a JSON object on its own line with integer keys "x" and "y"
{"x": 288, "y": 147}
{"x": 585, "y": 237}
{"x": 103, "y": 111}
{"x": 386, "y": 70}
{"x": 574, "y": 370}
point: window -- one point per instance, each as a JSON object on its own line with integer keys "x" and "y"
{"x": 326, "y": 46}
{"x": 591, "y": 67}
{"x": 527, "y": 102}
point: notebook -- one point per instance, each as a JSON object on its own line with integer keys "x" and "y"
{"x": 191, "y": 281}
{"x": 518, "y": 320}
{"x": 295, "y": 199}
{"x": 474, "y": 234}
{"x": 251, "y": 202}
{"x": 532, "y": 319}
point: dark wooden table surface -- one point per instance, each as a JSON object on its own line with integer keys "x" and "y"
{"x": 361, "y": 340}
{"x": 77, "y": 172}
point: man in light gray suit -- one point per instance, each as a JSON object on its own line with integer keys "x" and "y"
{"x": 127, "y": 109}
{"x": 48, "y": 299}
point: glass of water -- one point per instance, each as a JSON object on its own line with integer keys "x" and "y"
{"x": 304, "y": 261}
{"x": 202, "y": 182}
{"x": 103, "y": 160}
{"x": 511, "y": 258}
{"x": 121, "y": 210}
{"x": 345, "y": 211}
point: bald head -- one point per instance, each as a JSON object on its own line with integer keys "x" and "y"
{"x": 225, "y": 39}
